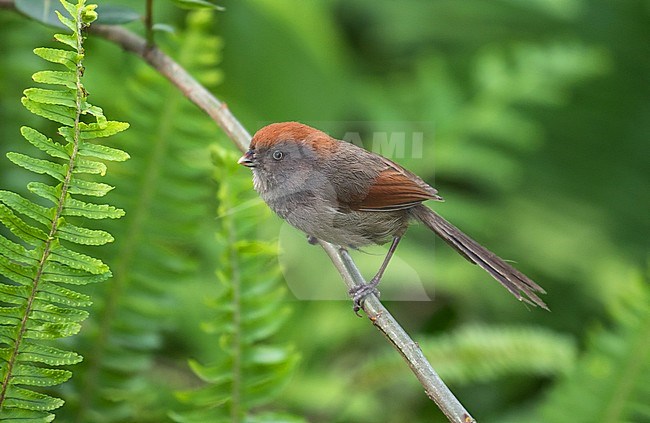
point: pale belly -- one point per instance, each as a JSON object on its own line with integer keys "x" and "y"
{"x": 352, "y": 229}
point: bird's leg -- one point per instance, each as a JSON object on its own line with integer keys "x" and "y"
{"x": 360, "y": 292}
{"x": 393, "y": 246}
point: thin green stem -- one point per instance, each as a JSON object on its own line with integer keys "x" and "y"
{"x": 237, "y": 347}
{"x": 148, "y": 23}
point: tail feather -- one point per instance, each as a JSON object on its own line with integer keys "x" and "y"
{"x": 516, "y": 282}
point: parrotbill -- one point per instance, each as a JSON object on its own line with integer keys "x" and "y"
{"x": 343, "y": 194}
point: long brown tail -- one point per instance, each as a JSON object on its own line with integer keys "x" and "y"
{"x": 516, "y": 282}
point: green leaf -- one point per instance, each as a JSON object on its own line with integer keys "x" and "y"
{"x": 71, "y": 8}
{"x": 68, "y": 39}
{"x": 88, "y": 14}
{"x": 44, "y": 143}
{"x": 53, "y": 112}
{"x": 94, "y": 130}
{"x": 161, "y": 27}
{"x": 211, "y": 374}
{"x": 7, "y": 335}
{"x": 11, "y": 316}
{"x": 66, "y": 78}
{"x": 73, "y": 207}
{"x": 14, "y": 294}
{"x": 19, "y": 228}
{"x": 95, "y": 189}
{"x": 89, "y": 166}
{"x": 267, "y": 355}
{"x": 51, "y": 313}
{"x": 64, "y": 57}
{"x": 66, "y": 21}
{"x": 78, "y": 261}
{"x": 19, "y": 274}
{"x": 16, "y": 252}
{"x": 65, "y": 98}
{"x": 102, "y": 152}
{"x": 45, "y": 191}
{"x": 60, "y": 295}
{"x": 38, "y": 165}
{"x": 56, "y": 272}
{"x": 87, "y": 108}
{"x": 83, "y": 236}
{"x": 25, "y": 374}
{"x": 16, "y": 415}
{"x": 46, "y": 330}
{"x": 38, "y": 353}
{"x": 25, "y": 207}
{"x": 30, "y": 400}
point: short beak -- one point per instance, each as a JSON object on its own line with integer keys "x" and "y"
{"x": 247, "y": 159}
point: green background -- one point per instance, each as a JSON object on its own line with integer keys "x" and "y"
{"x": 535, "y": 118}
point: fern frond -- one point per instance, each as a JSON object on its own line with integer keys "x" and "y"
{"x": 34, "y": 306}
{"x": 67, "y": 79}
{"x": 610, "y": 381}
{"x": 249, "y": 371}
{"x": 475, "y": 354}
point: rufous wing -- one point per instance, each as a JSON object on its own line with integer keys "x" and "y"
{"x": 396, "y": 188}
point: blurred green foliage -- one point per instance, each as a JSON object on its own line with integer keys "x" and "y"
{"x": 535, "y": 121}
{"x": 247, "y": 313}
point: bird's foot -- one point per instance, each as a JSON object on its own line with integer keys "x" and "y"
{"x": 312, "y": 239}
{"x": 360, "y": 292}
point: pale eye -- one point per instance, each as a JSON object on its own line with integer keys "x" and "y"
{"x": 278, "y": 155}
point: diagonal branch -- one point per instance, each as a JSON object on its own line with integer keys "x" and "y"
{"x": 434, "y": 387}
{"x": 410, "y": 351}
{"x": 178, "y": 76}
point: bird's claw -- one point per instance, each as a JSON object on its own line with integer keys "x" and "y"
{"x": 360, "y": 292}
